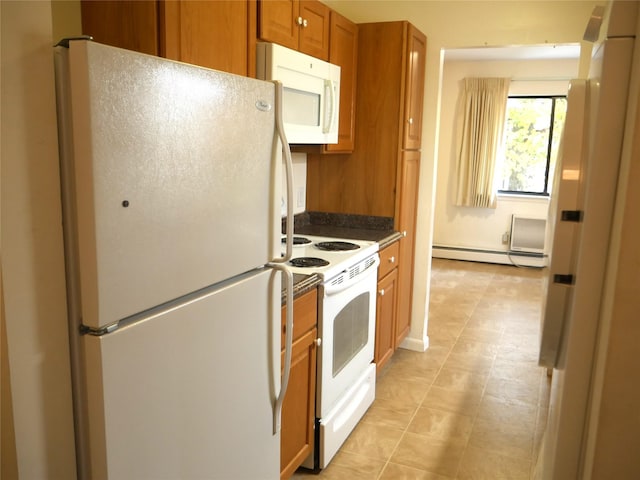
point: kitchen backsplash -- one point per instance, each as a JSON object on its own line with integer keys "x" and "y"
{"x": 299, "y": 161}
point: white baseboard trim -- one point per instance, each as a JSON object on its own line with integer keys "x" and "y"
{"x": 415, "y": 344}
{"x": 522, "y": 259}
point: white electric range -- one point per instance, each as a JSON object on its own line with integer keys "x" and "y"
{"x": 346, "y": 373}
{"x": 328, "y": 256}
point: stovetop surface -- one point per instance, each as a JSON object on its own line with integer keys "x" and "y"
{"x": 338, "y": 260}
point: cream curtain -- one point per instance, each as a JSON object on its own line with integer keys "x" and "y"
{"x": 482, "y": 108}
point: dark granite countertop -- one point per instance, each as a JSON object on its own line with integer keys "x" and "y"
{"x": 301, "y": 284}
{"x": 356, "y": 227}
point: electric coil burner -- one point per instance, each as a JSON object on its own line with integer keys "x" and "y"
{"x": 298, "y": 240}
{"x": 308, "y": 262}
{"x": 337, "y": 246}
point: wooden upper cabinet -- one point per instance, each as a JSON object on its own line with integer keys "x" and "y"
{"x": 219, "y": 35}
{"x": 414, "y": 96}
{"x": 277, "y": 22}
{"x": 301, "y": 25}
{"x": 343, "y": 51}
{"x": 125, "y": 24}
{"x": 314, "y": 31}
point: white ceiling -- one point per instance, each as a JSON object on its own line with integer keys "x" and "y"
{"x": 525, "y": 52}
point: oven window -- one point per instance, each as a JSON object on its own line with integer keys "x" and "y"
{"x": 350, "y": 331}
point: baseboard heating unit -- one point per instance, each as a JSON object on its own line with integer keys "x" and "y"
{"x": 505, "y": 257}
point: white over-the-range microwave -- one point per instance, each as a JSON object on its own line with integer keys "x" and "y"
{"x": 311, "y": 98}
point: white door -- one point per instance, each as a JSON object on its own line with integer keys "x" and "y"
{"x": 188, "y": 392}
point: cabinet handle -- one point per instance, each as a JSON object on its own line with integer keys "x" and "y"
{"x": 392, "y": 259}
{"x": 410, "y": 120}
{"x": 381, "y": 292}
{"x": 404, "y": 233}
{"x": 299, "y": 20}
{"x": 305, "y": 23}
{"x": 318, "y": 341}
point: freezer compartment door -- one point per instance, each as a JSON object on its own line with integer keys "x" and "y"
{"x": 176, "y": 178}
{"x": 189, "y": 392}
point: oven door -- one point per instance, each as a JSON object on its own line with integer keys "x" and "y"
{"x": 347, "y": 329}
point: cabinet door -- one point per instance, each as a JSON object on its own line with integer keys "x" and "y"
{"x": 125, "y": 24}
{"x": 277, "y": 22}
{"x": 414, "y": 89}
{"x": 406, "y": 223}
{"x": 219, "y": 35}
{"x": 314, "y": 31}
{"x": 386, "y": 319}
{"x": 343, "y": 51}
{"x": 305, "y": 314}
{"x": 298, "y": 409}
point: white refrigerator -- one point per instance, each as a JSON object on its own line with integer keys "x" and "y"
{"x": 171, "y": 199}
{"x": 581, "y": 219}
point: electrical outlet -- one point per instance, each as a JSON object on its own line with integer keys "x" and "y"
{"x": 505, "y": 238}
{"x": 300, "y": 198}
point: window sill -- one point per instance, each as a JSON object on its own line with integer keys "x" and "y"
{"x": 523, "y": 197}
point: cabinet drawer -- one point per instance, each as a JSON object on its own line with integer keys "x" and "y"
{"x": 388, "y": 259}
{"x": 305, "y": 315}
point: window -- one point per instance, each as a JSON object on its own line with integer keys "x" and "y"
{"x": 532, "y": 136}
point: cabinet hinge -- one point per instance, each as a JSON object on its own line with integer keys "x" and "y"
{"x": 564, "y": 279}
{"x": 571, "y": 215}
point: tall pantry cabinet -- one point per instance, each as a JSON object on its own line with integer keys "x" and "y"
{"x": 380, "y": 177}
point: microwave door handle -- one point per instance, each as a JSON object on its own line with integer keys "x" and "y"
{"x": 329, "y": 85}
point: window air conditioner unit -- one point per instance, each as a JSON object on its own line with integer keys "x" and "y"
{"x": 527, "y": 234}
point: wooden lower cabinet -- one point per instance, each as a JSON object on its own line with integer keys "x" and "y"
{"x": 385, "y": 319}
{"x": 406, "y": 222}
{"x": 298, "y": 409}
{"x": 386, "y": 306}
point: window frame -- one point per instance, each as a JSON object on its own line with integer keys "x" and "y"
{"x": 546, "y": 192}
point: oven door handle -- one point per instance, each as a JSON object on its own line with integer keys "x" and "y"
{"x": 331, "y": 289}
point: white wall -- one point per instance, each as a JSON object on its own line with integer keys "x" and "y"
{"x": 482, "y": 228}
{"x": 32, "y": 255}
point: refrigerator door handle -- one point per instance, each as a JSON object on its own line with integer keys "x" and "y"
{"x": 289, "y": 174}
{"x": 277, "y": 408}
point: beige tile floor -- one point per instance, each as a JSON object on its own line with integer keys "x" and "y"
{"x": 473, "y": 406}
